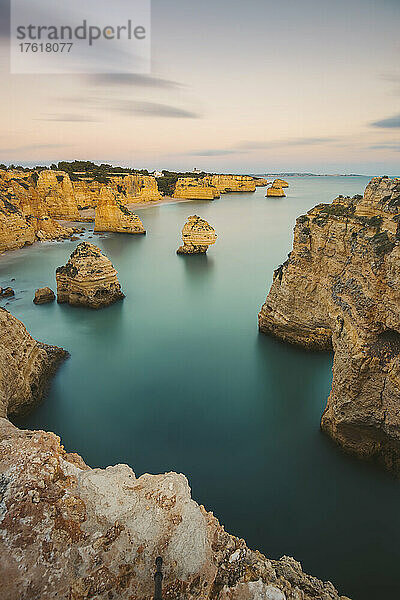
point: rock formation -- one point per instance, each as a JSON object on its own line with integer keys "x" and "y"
{"x": 281, "y": 182}
{"x": 275, "y": 190}
{"x": 44, "y": 296}
{"x": 25, "y": 368}
{"x": 340, "y": 288}
{"x": 195, "y": 189}
{"x": 261, "y": 182}
{"x": 88, "y": 279}
{"x": 57, "y": 193}
{"x": 233, "y": 183}
{"x": 7, "y": 292}
{"x": 112, "y": 215}
{"x": 137, "y": 188}
{"x": 197, "y": 235}
{"x": 87, "y": 193}
{"x": 68, "y": 531}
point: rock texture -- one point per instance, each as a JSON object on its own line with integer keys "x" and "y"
{"x": 275, "y": 191}
{"x": 233, "y": 183}
{"x": 68, "y": 531}
{"x": 340, "y": 288}
{"x": 261, "y": 182}
{"x": 26, "y": 367}
{"x": 197, "y": 235}
{"x": 44, "y": 296}
{"x": 195, "y": 189}
{"x": 88, "y": 279}
{"x": 112, "y": 215}
{"x": 57, "y": 193}
{"x": 281, "y": 182}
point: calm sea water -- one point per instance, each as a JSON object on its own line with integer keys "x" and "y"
{"x": 177, "y": 377}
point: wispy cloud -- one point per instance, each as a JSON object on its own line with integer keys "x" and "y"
{"x": 214, "y": 152}
{"x": 29, "y": 147}
{"x": 390, "y": 146}
{"x": 388, "y": 123}
{"x": 69, "y": 118}
{"x": 152, "y": 109}
{"x": 133, "y": 79}
{"x": 305, "y": 141}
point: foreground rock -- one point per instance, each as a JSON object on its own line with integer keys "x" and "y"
{"x": 44, "y": 296}
{"x": 26, "y": 367}
{"x": 340, "y": 288}
{"x": 112, "y": 215}
{"x": 88, "y": 279}
{"x": 197, "y": 235}
{"x": 68, "y": 531}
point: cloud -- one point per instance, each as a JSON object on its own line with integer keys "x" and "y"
{"x": 153, "y": 109}
{"x": 305, "y": 141}
{"x": 389, "y": 123}
{"x": 29, "y": 147}
{"x": 133, "y": 79}
{"x": 390, "y": 146}
{"x": 215, "y": 152}
{"x": 69, "y": 118}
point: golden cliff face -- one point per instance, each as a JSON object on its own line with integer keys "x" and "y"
{"x": 112, "y": 215}
{"x": 340, "y": 288}
{"x": 87, "y": 193}
{"x": 195, "y": 189}
{"x": 233, "y": 183}
{"x": 88, "y": 279}
{"x": 57, "y": 192}
{"x": 137, "y": 188}
{"x": 25, "y": 366}
{"x": 197, "y": 235}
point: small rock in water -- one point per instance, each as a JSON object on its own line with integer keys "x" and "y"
{"x": 6, "y": 292}
{"x": 44, "y": 296}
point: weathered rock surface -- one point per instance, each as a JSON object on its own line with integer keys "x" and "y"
{"x": 68, "y": 531}
{"x": 281, "y": 183}
{"x": 340, "y": 288}
{"x": 88, "y": 279}
{"x": 275, "y": 191}
{"x": 137, "y": 188}
{"x": 57, "y": 193}
{"x": 233, "y": 183}
{"x": 197, "y": 235}
{"x": 26, "y": 367}
{"x": 6, "y": 292}
{"x": 195, "y": 189}
{"x": 261, "y": 182}
{"x": 112, "y": 215}
{"x": 44, "y": 296}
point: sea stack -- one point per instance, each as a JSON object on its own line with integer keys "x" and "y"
{"x": 340, "y": 289}
{"x": 197, "y": 235}
{"x": 26, "y": 366}
{"x": 88, "y": 279}
{"x": 281, "y": 182}
{"x": 44, "y": 296}
{"x": 112, "y": 215}
{"x": 276, "y": 191}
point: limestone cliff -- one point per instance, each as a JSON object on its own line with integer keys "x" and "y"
{"x": 261, "y": 182}
{"x": 68, "y": 531}
{"x": 195, "y": 189}
{"x": 136, "y": 188}
{"x": 87, "y": 193}
{"x": 25, "y": 366}
{"x": 112, "y": 215}
{"x": 233, "y": 183}
{"x": 57, "y": 193}
{"x": 88, "y": 279}
{"x": 197, "y": 235}
{"x": 340, "y": 287}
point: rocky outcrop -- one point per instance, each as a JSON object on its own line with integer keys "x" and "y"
{"x": 281, "y": 183}
{"x": 26, "y": 367}
{"x": 197, "y": 235}
{"x": 112, "y": 215}
{"x": 195, "y": 189}
{"x": 233, "y": 183}
{"x": 137, "y": 188}
{"x": 7, "y": 292}
{"x": 88, "y": 279}
{"x": 44, "y": 296}
{"x": 87, "y": 193}
{"x": 57, "y": 193}
{"x": 275, "y": 191}
{"x": 68, "y": 531}
{"x": 261, "y": 182}
{"x": 340, "y": 288}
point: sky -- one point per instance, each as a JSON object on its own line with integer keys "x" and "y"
{"x": 247, "y": 87}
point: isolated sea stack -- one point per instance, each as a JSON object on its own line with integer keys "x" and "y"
{"x": 276, "y": 191}
{"x": 88, "y": 279}
{"x": 282, "y": 183}
{"x": 44, "y": 296}
{"x": 197, "y": 235}
{"x": 112, "y": 215}
{"x": 26, "y": 366}
{"x": 340, "y": 288}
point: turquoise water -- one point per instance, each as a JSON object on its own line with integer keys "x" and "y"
{"x": 176, "y": 377}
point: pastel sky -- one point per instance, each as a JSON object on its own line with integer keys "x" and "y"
{"x": 236, "y": 86}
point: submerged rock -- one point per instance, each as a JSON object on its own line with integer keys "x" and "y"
{"x": 88, "y": 279}
{"x": 112, "y": 215}
{"x": 69, "y": 531}
{"x": 197, "y": 235}
{"x": 44, "y": 296}
{"x": 26, "y": 367}
{"x": 340, "y": 288}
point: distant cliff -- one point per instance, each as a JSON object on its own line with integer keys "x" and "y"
{"x": 340, "y": 288}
